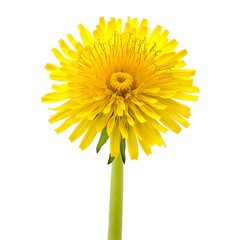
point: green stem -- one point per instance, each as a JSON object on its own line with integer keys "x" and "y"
{"x": 116, "y": 200}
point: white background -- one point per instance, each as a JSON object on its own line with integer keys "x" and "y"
{"x": 49, "y": 189}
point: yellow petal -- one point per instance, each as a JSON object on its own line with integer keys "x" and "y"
{"x": 85, "y": 35}
{"x": 103, "y": 121}
{"x": 146, "y": 133}
{"x": 177, "y": 107}
{"x": 52, "y": 68}
{"x": 190, "y": 89}
{"x": 185, "y": 96}
{"x": 89, "y": 136}
{"x": 55, "y": 97}
{"x": 143, "y": 29}
{"x": 79, "y": 130}
{"x": 111, "y": 26}
{"x": 132, "y": 144}
{"x": 115, "y": 139}
{"x": 156, "y": 125}
{"x": 163, "y": 39}
{"x": 150, "y": 112}
{"x": 146, "y": 148}
{"x": 59, "y": 56}
{"x": 110, "y": 125}
{"x": 123, "y": 127}
{"x": 136, "y": 111}
{"x": 155, "y": 135}
{"x": 66, "y": 124}
{"x": 119, "y": 26}
{"x": 170, "y": 123}
{"x": 130, "y": 120}
{"x": 102, "y": 23}
{"x": 178, "y": 118}
{"x": 64, "y": 47}
{"x": 170, "y": 46}
{"x": 154, "y": 36}
{"x": 147, "y": 99}
{"x": 183, "y": 73}
{"x": 61, "y": 115}
{"x": 72, "y": 41}
{"x": 108, "y": 107}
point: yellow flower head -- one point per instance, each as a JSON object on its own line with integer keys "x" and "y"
{"x": 121, "y": 81}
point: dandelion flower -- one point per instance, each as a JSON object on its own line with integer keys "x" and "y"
{"x": 122, "y": 81}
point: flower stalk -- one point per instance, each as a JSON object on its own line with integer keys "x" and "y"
{"x": 116, "y": 200}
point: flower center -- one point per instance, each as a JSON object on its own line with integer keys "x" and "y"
{"x": 121, "y": 82}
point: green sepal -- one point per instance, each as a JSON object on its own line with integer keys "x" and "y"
{"x": 102, "y": 140}
{"x": 110, "y": 159}
{"x": 122, "y": 149}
